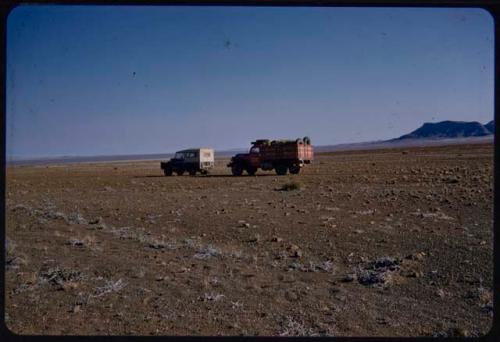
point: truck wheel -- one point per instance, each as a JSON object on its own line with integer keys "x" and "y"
{"x": 236, "y": 170}
{"x": 251, "y": 170}
{"x": 204, "y": 172}
{"x": 168, "y": 171}
{"x": 192, "y": 172}
{"x": 294, "y": 169}
{"x": 281, "y": 169}
{"x": 180, "y": 172}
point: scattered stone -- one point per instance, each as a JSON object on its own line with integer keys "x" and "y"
{"x": 98, "y": 223}
{"x": 42, "y": 221}
{"x": 458, "y": 332}
{"x": 368, "y": 277}
{"x": 385, "y": 262}
{"x": 255, "y": 238}
{"x": 415, "y": 274}
{"x": 480, "y": 294}
{"x": 450, "y": 180}
{"x": 294, "y": 251}
{"x": 286, "y": 278}
{"x": 51, "y": 215}
{"x": 291, "y": 296}
{"x": 349, "y": 278}
{"x": 75, "y": 242}
{"x": 416, "y": 256}
{"x": 379, "y": 272}
{"x": 140, "y": 273}
{"x": 13, "y": 262}
{"x": 57, "y": 277}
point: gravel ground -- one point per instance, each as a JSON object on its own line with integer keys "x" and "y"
{"x": 374, "y": 243}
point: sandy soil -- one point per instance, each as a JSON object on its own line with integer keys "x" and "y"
{"x": 378, "y": 243}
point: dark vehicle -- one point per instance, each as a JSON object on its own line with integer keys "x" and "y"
{"x": 280, "y": 155}
{"x": 192, "y": 161}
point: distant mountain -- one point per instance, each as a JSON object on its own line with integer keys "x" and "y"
{"x": 490, "y": 126}
{"x": 449, "y": 129}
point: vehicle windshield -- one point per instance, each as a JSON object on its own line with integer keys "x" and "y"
{"x": 179, "y": 155}
{"x": 254, "y": 150}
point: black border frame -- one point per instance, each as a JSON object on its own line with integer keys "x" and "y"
{"x": 491, "y": 6}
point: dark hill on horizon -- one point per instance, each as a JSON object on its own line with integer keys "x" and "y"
{"x": 429, "y": 134}
{"x": 450, "y": 129}
{"x": 490, "y": 126}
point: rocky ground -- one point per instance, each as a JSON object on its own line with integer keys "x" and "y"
{"x": 378, "y": 243}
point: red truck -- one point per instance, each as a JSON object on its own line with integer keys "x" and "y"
{"x": 280, "y": 155}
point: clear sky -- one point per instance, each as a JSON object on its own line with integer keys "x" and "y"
{"x": 94, "y": 80}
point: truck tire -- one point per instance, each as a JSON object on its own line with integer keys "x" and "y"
{"x": 251, "y": 170}
{"x": 192, "y": 172}
{"x": 180, "y": 172}
{"x": 294, "y": 169}
{"x": 307, "y": 140}
{"x": 168, "y": 171}
{"x": 204, "y": 172}
{"x": 281, "y": 169}
{"x": 236, "y": 170}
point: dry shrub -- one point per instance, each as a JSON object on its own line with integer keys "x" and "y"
{"x": 292, "y": 185}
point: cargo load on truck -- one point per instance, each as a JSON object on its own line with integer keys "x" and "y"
{"x": 280, "y": 155}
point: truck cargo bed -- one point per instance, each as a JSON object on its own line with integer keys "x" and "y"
{"x": 287, "y": 151}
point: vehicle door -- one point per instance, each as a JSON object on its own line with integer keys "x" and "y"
{"x": 254, "y": 156}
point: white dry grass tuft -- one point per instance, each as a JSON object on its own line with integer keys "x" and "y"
{"x": 211, "y": 297}
{"x": 207, "y": 252}
{"x": 76, "y": 218}
{"x": 109, "y": 287}
{"x": 292, "y": 327}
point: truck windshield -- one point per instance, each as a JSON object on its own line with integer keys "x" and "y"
{"x": 179, "y": 155}
{"x": 254, "y": 150}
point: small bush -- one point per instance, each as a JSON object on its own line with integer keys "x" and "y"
{"x": 290, "y": 186}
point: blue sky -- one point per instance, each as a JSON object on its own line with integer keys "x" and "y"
{"x": 95, "y": 80}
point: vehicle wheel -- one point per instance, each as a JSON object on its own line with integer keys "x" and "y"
{"x": 192, "y": 172}
{"x": 236, "y": 170}
{"x": 204, "y": 172}
{"x": 307, "y": 140}
{"x": 180, "y": 172}
{"x": 168, "y": 171}
{"x": 251, "y": 170}
{"x": 281, "y": 169}
{"x": 294, "y": 169}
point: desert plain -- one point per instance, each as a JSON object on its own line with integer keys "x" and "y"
{"x": 394, "y": 242}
